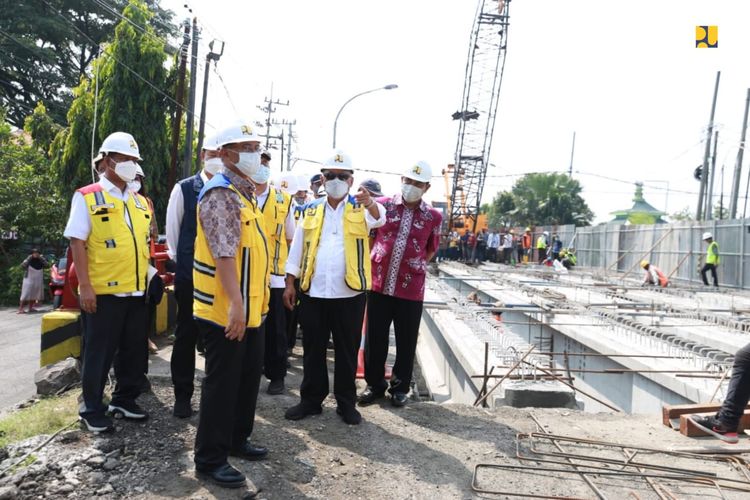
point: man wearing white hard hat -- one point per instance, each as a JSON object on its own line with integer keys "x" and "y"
{"x": 230, "y": 301}
{"x": 403, "y": 247}
{"x": 712, "y": 259}
{"x": 276, "y": 206}
{"x": 109, "y": 230}
{"x": 330, "y": 255}
{"x": 181, "y": 231}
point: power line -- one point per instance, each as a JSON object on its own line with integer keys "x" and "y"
{"x": 111, "y": 9}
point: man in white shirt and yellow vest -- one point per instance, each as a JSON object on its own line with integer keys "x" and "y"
{"x": 108, "y": 231}
{"x": 330, "y": 254}
{"x": 230, "y": 301}
{"x": 275, "y": 204}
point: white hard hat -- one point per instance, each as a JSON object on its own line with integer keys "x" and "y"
{"x": 237, "y": 132}
{"x": 420, "y": 172}
{"x": 338, "y": 161}
{"x": 546, "y": 233}
{"x": 139, "y": 171}
{"x": 287, "y": 182}
{"x": 707, "y": 235}
{"x": 119, "y": 142}
{"x": 210, "y": 143}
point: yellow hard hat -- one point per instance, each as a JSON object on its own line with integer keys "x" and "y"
{"x": 644, "y": 264}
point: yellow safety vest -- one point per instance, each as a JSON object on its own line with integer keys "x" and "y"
{"x": 356, "y": 244}
{"x": 275, "y": 212}
{"x": 117, "y": 254}
{"x": 541, "y": 242}
{"x": 210, "y": 301}
{"x": 712, "y": 254}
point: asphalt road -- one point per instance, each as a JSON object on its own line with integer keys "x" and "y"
{"x": 19, "y": 358}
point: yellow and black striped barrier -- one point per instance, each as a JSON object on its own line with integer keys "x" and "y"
{"x": 61, "y": 336}
{"x": 166, "y": 311}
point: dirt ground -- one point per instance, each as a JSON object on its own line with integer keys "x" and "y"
{"x": 424, "y": 450}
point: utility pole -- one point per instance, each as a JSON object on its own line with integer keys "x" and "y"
{"x": 289, "y": 139}
{"x": 699, "y": 215}
{"x": 734, "y": 195}
{"x": 710, "y": 195}
{"x": 269, "y": 109}
{"x": 211, "y": 56}
{"x": 177, "y": 119}
{"x": 721, "y": 197}
{"x": 188, "y": 156}
{"x": 572, "y": 150}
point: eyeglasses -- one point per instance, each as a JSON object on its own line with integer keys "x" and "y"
{"x": 343, "y": 176}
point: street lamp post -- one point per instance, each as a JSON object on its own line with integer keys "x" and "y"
{"x": 387, "y": 87}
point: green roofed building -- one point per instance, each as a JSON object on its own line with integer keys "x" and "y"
{"x": 640, "y": 213}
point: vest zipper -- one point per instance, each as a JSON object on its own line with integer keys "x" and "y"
{"x": 135, "y": 247}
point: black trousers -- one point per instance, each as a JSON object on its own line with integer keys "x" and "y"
{"x": 292, "y": 320}
{"x": 229, "y": 393}
{"x": 182, "y": 363}
{"x": 119, "y": 325}
{"x": 738, "y": 393}
{"x": 321, "y": 318}
{"x": 507, "y": 255}
{"x": 274, "y": 360}
{"x": 382, "y": 310}
{"x": 704, "y": 271}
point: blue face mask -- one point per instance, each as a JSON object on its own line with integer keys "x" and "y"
{"x": 262, "y": 175}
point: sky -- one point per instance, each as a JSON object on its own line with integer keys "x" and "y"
{"x": 625, "y": 77}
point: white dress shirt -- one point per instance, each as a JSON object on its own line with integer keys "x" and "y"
{"x": 79, "y": 222}
{"x": 175, "y": 213}
{"x": 278, "y": 281}
{"x": 329, "y": 277}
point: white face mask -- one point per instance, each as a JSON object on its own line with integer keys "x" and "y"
{"x": 411, "y": 193}
{"x": 213, "y": 165}
{"x": 249, "y": 163}
{"x": 337, "y": 188}
{"x": 126, "y": 170}
{"x": 134, "y": 186}
{"x": 300, "y": 200}
{"x": 262, "y": 175}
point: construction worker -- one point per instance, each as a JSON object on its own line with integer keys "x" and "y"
{"x": 316, "y": 185}
{"x": 712, "y": 259}
{"x": 403, "y": 247}
{"x": 231, "y": 292}
{"x": 654, "y": 275}
{"x": 568, "y": 258}
{"x": 279, "y": 219}
{"x": 526, "y": 245}
{"x": 508, "y": 247}
{"x": 181, "y": 231}
{"x": 725, "y": 423}
{"x": 493, "y": 245}
{"x": 330, "y": 254}
{"x": 109, "y": 229}
{"x": 541, "y": 247}
{"x": 556, "y": 247}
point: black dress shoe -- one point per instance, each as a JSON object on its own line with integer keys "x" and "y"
{"x": 369, "y": 395}
{"x": 182, "y": 409}
{"x": 225, "y": 476}
{"x": 398, "y": 399}
{"x": 249, "y": 452}
{"x": 350, "y": 415}
{"x": 302, "y": 410}
{"x": 276, "y": 387}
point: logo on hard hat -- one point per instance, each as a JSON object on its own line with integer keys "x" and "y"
{"x": 133, "y": 144}
{"x": 246, "y": 130}
{"x": 339, "y": 159}
{"x": 417, "y": 170}
{"x": 284, "y": 184}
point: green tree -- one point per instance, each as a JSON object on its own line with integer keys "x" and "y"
{"x": 42, "y": 128}
{"x": 682, "y": 215}
{"x": 48, "y": 45}
{"x": 502, "y": 211}
{"x": 549, "y": 199}
{"x": 126, "y": 103}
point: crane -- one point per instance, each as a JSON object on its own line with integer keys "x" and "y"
{"x": 476, "y": 117}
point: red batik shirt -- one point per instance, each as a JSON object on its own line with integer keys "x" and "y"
{"x": 399, "y": 254}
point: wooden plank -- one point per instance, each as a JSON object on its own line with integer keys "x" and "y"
{"x": 689, "y": 430}
{"x": 669, "y": 412}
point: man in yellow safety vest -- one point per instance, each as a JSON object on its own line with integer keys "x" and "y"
{"x": 712, "y": 259}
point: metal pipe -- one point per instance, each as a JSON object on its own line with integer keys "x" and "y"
{"x": 482, "y": 399}
{"x": 559, "y": 379}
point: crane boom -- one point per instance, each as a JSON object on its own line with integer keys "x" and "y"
{"x": 476, "y": 117}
